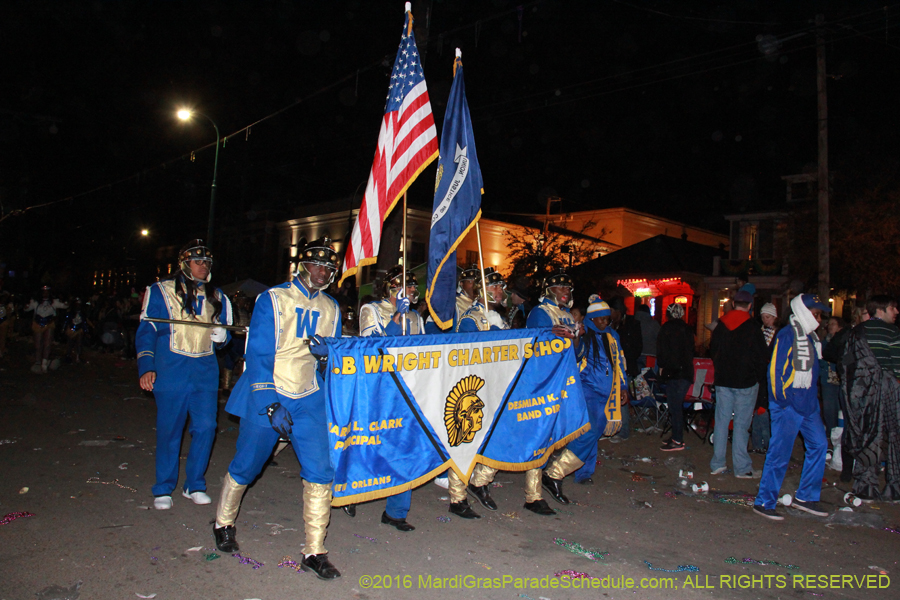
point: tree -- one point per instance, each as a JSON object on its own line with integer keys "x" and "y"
{"x": 865, "y": 242}
{"x": 537, "y": 253}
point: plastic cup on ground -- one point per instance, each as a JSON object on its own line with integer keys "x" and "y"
{"x": 852, "y": 500}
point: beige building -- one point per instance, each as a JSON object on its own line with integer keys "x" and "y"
{"x": 606, "y": 230}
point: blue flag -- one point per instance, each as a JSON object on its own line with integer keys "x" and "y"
{"x": 457, "y": 201}
{"x": 402, "y": 409}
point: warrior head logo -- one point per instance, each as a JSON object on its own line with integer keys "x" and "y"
{"x": 463, "y": 410}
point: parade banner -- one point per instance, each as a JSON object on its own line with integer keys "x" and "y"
{"x": 403, "y": 409}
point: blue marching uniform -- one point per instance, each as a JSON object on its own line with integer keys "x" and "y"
{"x": 281, "y": 369}
{"x": 474, "y": 319}
{"x": 548, "y": 314}
{"x": 375, "y": 318}
{"x": 187, "y": 379}
{"x": 463, "y": 303}
{"x": 599, "y": 374}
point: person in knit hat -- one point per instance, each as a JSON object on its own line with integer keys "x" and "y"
{"x": 769, "y": 314}
{"x": 760, "y": 430}
{"x": 794, "y": 407}
{"x": 604, "y": 384}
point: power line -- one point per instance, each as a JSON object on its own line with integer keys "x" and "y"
{"x": 707, "y": 57}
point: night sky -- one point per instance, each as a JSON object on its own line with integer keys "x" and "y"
{"x": 689, "y": 110}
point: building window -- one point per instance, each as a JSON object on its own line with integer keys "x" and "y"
{"x": 766, "y": 240}
{"x": 750, "y": 245}
{"x": 471, "y": 258}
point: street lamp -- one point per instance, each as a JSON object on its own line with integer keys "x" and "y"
{"x": 185, "y": 115}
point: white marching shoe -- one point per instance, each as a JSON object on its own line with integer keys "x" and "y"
{"x": 162, "y": 502}
{"x": 197, "y": 497}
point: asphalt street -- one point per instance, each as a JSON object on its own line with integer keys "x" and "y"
{"x": 77, "y": 447}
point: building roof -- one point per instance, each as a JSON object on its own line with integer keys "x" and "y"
{"x": 657, "y": 256}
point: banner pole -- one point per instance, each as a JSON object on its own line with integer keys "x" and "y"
{"x": 481, "y": 265}
{"x": 403, "y": 317}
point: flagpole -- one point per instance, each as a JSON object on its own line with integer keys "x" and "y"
{"x": 481, "y": 264}
{"x": 403, "y": 317}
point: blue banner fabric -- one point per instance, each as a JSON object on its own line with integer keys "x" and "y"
{"x": 404, "y": 409}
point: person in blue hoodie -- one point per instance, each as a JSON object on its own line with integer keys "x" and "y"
{"x": 178, "y": 364}
{"x": 794, "y": 408}
{"x": 604, "y": 384}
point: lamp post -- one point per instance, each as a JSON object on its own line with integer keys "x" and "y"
{"x": 185, "y": 115}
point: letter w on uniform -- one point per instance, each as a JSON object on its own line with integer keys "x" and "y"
{"x": 198, "y": 305}
{"x": 306, "y": 322}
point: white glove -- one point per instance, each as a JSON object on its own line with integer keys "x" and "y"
{"x": 494, "y": 318}
{"x": 218, "y": 335}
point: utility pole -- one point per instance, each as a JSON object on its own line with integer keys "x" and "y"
{"x": 550, "y": 201}
{"x": 824, "y": 264}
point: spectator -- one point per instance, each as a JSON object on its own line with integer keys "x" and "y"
{"x": 738, "y": 350}
{"x": 743, "y": 284}
{"x": 649, "y": 334}
{"x": 794, "y": 406}
{"x": 830, "y": 383}
{"x": 761, "y": 427}
{"x": 675, "y": 359}
{"x": 871, "y": 396}
{"x": 833, "y": 354}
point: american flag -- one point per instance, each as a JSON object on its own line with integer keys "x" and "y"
{"x": 407, "y": 143}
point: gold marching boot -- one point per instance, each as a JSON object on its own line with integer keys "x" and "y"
{"x": 316, "y": 514}
{"x": 459, "y": 505}
{"x": 479, "y": 485}
{"x": 533, "y": 499}
{"x": 226, "y": 513}
{"x": 562, "y": 464}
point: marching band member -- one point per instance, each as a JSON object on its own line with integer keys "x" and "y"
{"x": 465, "y": 295}
{"x": 552, "y": 311}
{"x": 178, "y": 364}
{"x": 479, "y": 317}
{"x": 383, "y": 317}
{"x": 280, "y": 394}
{"x": 603, "y": 381}
{"x": 43, "y": 325}
{"x": 75, "y": 326}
